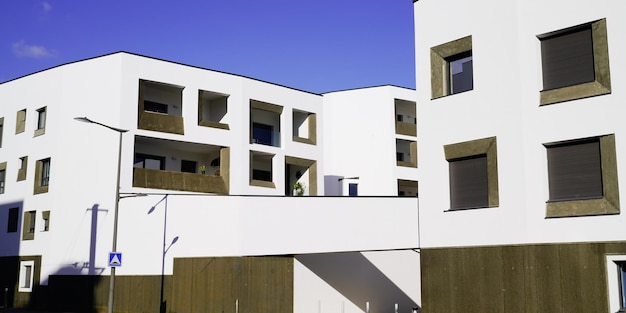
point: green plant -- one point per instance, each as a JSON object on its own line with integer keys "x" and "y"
{"x": 298, "y": 189}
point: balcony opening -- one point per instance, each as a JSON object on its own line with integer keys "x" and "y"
{"x": 406, "y": 117}
{"x": 407, "y": 188}
{"x": 176, "y": 165}
{"x": 304, "y": 127}
{"x": 406, "y": 153}
{"x": 300, "y": 177}
{"x": 160, "y": 107}
{"x": 212, "y": 109}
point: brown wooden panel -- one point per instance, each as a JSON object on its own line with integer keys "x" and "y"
{"x": 584, "y": 280}
{"x": 181, "y": 285}
{"x": 436, "y": 280}
{"x": 549, "y": 278}
{"x": 514, "y": 270}
{"x": 546, "y": 277}
{"x": 267, "y": 285}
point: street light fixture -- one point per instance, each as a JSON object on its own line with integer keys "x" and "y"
{"x": 117, "y": 203}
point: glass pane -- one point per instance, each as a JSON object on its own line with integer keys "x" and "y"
{"x": 461, "y": 75}
{"x": 621, "y": 267}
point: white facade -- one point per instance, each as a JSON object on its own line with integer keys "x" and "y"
{"x": 249, "y": 218}
{"x": 358, "y": 145}
{"x": 505, "y": 103}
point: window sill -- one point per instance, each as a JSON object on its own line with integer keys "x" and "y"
{"x": 303, "y": 140}
{"x": 580, "y": 208}
{"x": 214, "y": 125}
{"x": 585, "y": 90}
{"x": 262, "y": 183}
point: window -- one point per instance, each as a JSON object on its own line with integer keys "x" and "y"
{"x": 262, "y": 134}
{"x": 41, "y": 122}
{"x": 575, "y": 63}
{"x": 28, "y": 230}
{"x": 45, "y": 172}
{"x": 20, "y": 124}
{"x": 21, "y": 172}
{"x": 155, "y": 107}
{"x": 621, "y": 277}
{"x": 2, "y": 180}
{"x": 3, "y": 176}
{"x": 399, "y": 156}
{"x": 451, "y": 68}
{"x": 45, "y": 216}
{"x": 149, "y": 161}
{"x": 469, "y": 186}
{"x": 353, "y": 189}
{"x": 616, "y": 279}
{"x": 212, "y": 109}
{"x": 1, "y": 129}
{"x": 261, "y": 173}
{"x": 460, "y": 69}
{"x": 13, "y": 220}
{"x": 265, "y": 123}
{"x": 27, "y": 272}
{"x": 406, "y": 117}
{"x": 473, "y": 174}
{"x": 42, "y": 176}
{"x": 582, "y": 177}
{"x": 188, "y": 166}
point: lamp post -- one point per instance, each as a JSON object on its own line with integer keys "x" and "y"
{"x": 117, "y": 202}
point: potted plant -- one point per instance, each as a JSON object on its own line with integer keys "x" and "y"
{"x": 202, "y": 169}
{"x": 298, "y": 189}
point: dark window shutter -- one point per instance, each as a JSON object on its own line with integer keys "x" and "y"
{"x": 575, "y": 171}
{"x": 468, "y": 183}
{"x": 567, "y": 59}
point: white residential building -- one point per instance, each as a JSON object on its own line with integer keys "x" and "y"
{"x": 209, "y": 164}
{"x": 521, "y": 148}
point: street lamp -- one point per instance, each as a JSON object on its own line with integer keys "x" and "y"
{"x": 117, "y": 203}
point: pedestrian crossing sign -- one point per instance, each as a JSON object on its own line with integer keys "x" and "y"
{"x": 115, "y": 259}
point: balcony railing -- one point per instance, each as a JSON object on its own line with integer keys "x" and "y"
{"x": 404, "y": 128}
{"x": 158, "y": 179}
{"x": 161, "y": 122}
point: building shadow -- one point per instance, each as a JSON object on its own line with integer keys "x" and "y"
{"x": 357, "y": 279}
{"x": 71, "y": 288}
{"x": 10, "y": 238}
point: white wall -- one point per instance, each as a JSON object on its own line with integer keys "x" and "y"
{"x": 360, "y": 140}
{"x": 505, "y": 104}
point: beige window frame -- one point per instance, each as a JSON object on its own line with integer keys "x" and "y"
{"x": 439, "y": 64}
{"x": 468, "y": 149}
{"x": 21, "y": 172}
{"x": 601, "y": 85}
{"x": 20, "y": 121}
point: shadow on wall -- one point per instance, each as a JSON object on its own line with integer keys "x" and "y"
{"x": 10, "y": 237}
{"x": 72, "y": 286}
{"x": 360, "y": 281}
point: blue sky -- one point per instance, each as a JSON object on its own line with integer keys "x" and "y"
{"x": 317, "y": 46}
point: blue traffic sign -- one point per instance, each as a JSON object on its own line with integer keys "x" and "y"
{"x": 115, "y": 259}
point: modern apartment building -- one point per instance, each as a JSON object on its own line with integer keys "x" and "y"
{"x": 222, "y": 204}
{"x": 521, "y": 150}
